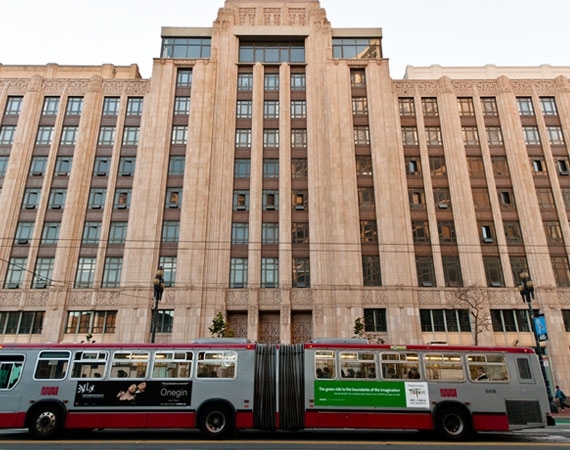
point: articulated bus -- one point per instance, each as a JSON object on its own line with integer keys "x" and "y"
{"x": 222, "y": 385}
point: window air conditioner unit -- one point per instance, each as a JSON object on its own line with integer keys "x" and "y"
{"x": 22, "y": 241}
{"x": 101, "y": 174}
{"x": 55, "y": 207}
{"x": 443, "y": 206}
{"x": 96, "y": 207}
{"x": 299, "y": 207}
{"x": 40, "y": 285}
{"x": 487, "y": 240}
{"x": 30, "y": 206}
{"x": 122, "y": 206}
{"x": 563, "y": 172}
{"x": 37, "y": 173}
{"x": 270, "y": 208}
{"x": 13, "y": 286}
{"x": 496, "y": 284}
{"x": 173, "y": 205}
{"x": 427, "y": 284}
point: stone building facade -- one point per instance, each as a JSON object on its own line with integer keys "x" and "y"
{"x": 275, "y": 171}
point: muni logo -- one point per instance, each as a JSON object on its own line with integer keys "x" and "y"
{"x": 49, "y": 390}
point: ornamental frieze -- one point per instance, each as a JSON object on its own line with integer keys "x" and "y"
{"x": 301, "y": 298}
{"x": 10, "y": 299}
{"x": 37, "y": 299}
{"x": 237, "y": 298}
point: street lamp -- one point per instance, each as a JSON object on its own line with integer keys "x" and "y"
{"x": 159, "y": 286}
{"x": 526, "y": 288}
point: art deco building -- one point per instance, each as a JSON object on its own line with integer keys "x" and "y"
{"x": 275, "y": 171}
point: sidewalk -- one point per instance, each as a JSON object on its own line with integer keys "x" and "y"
{"x": 563, "y": 415}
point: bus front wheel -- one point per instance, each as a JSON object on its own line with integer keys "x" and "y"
{"x": 46, "y": 422}
{"x": 453, "y": 424}
{"x": 216, "y": 421}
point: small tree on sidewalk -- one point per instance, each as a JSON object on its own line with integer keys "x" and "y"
{"x": 220, "y": 327}
{"x": 474, "y": 299}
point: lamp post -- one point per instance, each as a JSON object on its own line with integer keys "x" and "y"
{"x": 526, "y": 288}
{"x": 159, "y": 286}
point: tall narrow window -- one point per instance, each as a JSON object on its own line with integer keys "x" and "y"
{"x": 85, "y": 272}
{"x": 238, "y": 273}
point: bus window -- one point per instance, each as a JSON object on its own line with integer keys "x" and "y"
{"x": 444, "y": 367}
{"x": 168, "y": 365}
{"x": 89, "y": 365}
{"x": 487, "y": 366}
{"x": 397, "y": 365}
{"x": 524, "y": 369}
{"x": 357, "y": 365}
{"x": 52, "y": 365}
{"x": 129, "y": 365}
{"x": 10, "y": 370}
{"x": 217, "y": 364}
{"x": 325, "y": 364}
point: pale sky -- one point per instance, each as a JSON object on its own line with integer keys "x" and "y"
{"x": 415, "y": 32}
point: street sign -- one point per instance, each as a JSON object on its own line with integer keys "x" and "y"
{"x": 540, "y": 328}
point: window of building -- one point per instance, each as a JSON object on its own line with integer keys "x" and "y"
{"x": 298, "y": 82}
{"x": 13, "y": 106}
{"x": 518, "y": 264}
{"x": 548, "y": 105}
{"x": 437, "y": 166}
{"x": 553, "y": 232}
{"x": 298, "y": 138}
{"x": 244, "y": 109}
{"x": 368, "y": 231}
{"x": 481, "y": 199}
{"x": 164, "y": 320}
{"x": 299, "y": 168}
{"x": 442, "y": 198}
{"x": 131, "y": 135}
{"x": 3, "y": 165}
{"x": 470, "y": 135}
{"x": 493, "y": 271}
{"x": 96, "y": 198}
{"x": 359, "y": 106}
{"x": 300, "y": 200}
{"x": 413, "y": 166}
{"x": 375, "y": 320}
{"x": 111, "y": 106}
{"x": 270, "y": 168}
{"x": 238, "y": 273}
{"x": 241, "y": 200}
{"x": 270, "y": 138}
{"x": 446, "y": 231}
{"x": 270, "y": 109}
{"x": 242, "y": 168}
{"x": 270, "y": 200}
{"x": 134, "y": 106}
{"x": 500, "y": 166}
{"x": 357, "y": 78}
{"x": 42, "y": 273}
{"x": 85, "y": 272}
{"x": 243, "y": 138}
{"x": 7, "y": 133}
{"x": 371, "y": 270}
{"x": 410, "y": 135}
{"x": 118, "y": 232}
{"x": 21, "y": 322}
{"x": 445, "y": 320}
{"x": 298, "y": 109}
{"x": 494, "y": 135}
{"x": 466, "y": 107}
{"x": 127, "y": 166}
{"x": 429, "y": 106}
{"x": 513, "y": 232}
{"x": 507, "y": 198}
{"x": 538, "y": 166}
{"x": 50, "y": 232}
{"x": 31, "y": 198}
{"x": 489, "y": 106}
{"x": 184, "y": 78}
{"x": 525, "y": 106}
{"x": 240, "y": 233}
{"x": 407, "y": 107}
{"x": 176, "y": 165}
{"x": 44, "y": 136}
{"x": 420, "y": 231}
{"x": 112, "y": 272}
{"x": 15, "y": 273}
{"x": 300, "y": 233}
{"x": 561, "y": 270}
{"x": 245, "y": 81}
{"x": 57, "y": 198}
{"x": 563, "y": 166}
{"x": 51, "y": 106}
{"x": 69, "y": 135}
{"x": 74, "y": 106}
{"x": 24, "y": 232}
{"x": 417, "y": 198}
{"x": 366, "y": 197}
{"x": 91, "y": 322}
{"x": 531, "y": 135}
{"x": 433, "y": 136}
{"x": 106, "y": 135}
{"x": 182, "y": 105}
{"x": 168, "y": 264}
{"x": 566, "y": 197}
{"x": 301, "y": 273}
{"x": 38, "y": 165}
{"x": 425, "y": 271}
{"x": 510, "y": 320}
{"x": 555, "y": 135}
{"x": 91, "y": 232}
{"x": 271, "y": 81}
{"x": 170, "y": 231}
{"x": 179, "y": 134}
{"x": 545, "y": 198}
{"x": 270, "y": 233}
{"x": 269, "y": 272}
{"x": 452, "y": 271}
{"x": 174, "y": 197}
{"x": 101, "y": 166}
{"x": 487, "y": 232}
{"x": 356, "y": 48}
{"x": 361, "y": 135}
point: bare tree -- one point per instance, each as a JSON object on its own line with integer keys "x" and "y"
{"x": 359, "y": 331}
{"x": 474, "y": 299}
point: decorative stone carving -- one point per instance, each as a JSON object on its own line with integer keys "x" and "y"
{"x": 301, "y": 328}
{"x": 37, "y": 299}
{"x": 270, "y": 297}
{"x": 272, "y": 16}
{"x": 269, "y": 328}
{"x": 246, "y": 16}
{"x": 237, "y": 298}
{"x": 80, "y": 298}
{"x": 238, "y": 324}
{"x": 297, "y": 17}
{"x": 429, "y": 297}
{"x": 503, "y": 297}
{"x": 301, "y": 299}
{"x": 10, "y": 299}
{"x": 373, "y": 297}
{"x": 109, "y": 298}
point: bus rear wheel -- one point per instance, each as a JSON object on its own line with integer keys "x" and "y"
{"x": 216, "y": 422}
{"x": 453, "y": 424}
{"x": 46, "y": 422}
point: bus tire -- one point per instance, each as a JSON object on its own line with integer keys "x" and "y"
{"x": 46, "y": 422}
{"x": 216, "y": 421}
{"x": 453, "y": 423}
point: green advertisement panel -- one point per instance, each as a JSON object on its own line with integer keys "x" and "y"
{"x": 392, "y": 394}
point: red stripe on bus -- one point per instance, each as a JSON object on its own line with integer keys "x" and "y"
{"x": 13, "y": 420}
{"x": 380, "y": 420}
{"x": 490, "y": 422}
